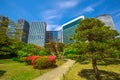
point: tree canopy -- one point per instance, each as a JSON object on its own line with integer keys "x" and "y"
{"x": 93, "y": 39}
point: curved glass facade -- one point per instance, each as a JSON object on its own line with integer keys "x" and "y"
{"x": 69, "y": 30}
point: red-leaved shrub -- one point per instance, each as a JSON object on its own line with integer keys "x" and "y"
{"x": 52, "y": 59}
{"x": 31, "y": 59}
{"x": 41, "y": 61}
{"x": 45, "y": 62}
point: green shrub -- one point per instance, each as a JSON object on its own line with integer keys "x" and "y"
{"x": 18, "y": 59}
{"x": 15, "y": 59}
{"x": 44, "y": 62}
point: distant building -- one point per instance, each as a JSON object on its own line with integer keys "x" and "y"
{"x": 5, "y": 20}
{"x": 23, "y": 30}
{"x": 51, "y": 36}
{"x": 69, "y": 29}
{"x": 60, "y": 36}
{"x": 11, "y": 29}
{"x": 37, "y": 33}
{"x": 107, "y": 20}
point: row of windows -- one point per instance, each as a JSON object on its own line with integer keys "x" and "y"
{"x": 36, "y": 37}
{"x": 37, "y": 42}
{"x": 37, "y": 33}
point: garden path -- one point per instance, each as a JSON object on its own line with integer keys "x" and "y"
{"x": 57, "y": 73}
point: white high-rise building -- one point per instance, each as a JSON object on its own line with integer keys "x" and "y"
{"x": 107, "y": 20}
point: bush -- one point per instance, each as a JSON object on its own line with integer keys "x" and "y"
{"x": 21, "y": 60}
{"x": 30, "y": 60}
{"x": 45, "y": 62}
{"x": 15, "y": 59}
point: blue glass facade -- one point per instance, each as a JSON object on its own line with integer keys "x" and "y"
{"x": 69, "y": 30}
{"x": 37, "y": 33}
{"x": 51, "y": 36}
{"x": 11, "y": 29}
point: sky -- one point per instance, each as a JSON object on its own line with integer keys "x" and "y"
{"x": 57, "y": 12}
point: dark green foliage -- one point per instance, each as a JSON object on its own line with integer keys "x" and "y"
{"x": 30, "y": 50}
{"x": 15, "y": 48}
{"x": 96, "y": 41}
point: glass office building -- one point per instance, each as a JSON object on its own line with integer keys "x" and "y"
{"x": 37, "y": 33}
{"x": 11, "y": 29}
{"x": 23, "y": 28}
{"x": 107, "y": 20}
{"x": 51, "y": 36}
{"x": 60, "y": 36}
{"x": 69, "y": 29}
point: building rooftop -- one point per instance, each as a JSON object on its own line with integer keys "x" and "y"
{"x": 73, "y": 20}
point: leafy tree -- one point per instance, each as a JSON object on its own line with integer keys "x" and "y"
{"x": 91, "y": 40}
{"x": 5, "y": 41}
{"x": 114, "y": 47}
{"x": 54, "y": 48}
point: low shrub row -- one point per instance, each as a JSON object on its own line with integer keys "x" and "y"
{"x": 40, "y": 62}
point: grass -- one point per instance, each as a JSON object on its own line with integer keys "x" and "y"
{"x": 85, "y": 71}
{"x": 11, "y": 70}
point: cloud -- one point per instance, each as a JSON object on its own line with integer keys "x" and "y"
{"x": 52, "y": 17}
{"x": 118, "y": 15}
{"x": 58, "y": 28}
{"x": 51, "y": 14}
{"x": 53, "y": 27}
{"x": 88, "y": 9}
{"x": 67, "y": 4}
{"x": 57, "y": 12}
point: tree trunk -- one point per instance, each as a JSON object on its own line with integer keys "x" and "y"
{"x": 97, "y": 75}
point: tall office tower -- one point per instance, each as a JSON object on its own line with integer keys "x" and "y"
{"x": 11, "y": 29}
{"x": 60, "y": 36}
{"x": 107, "y": 20}
{"x": 69, "y": 29}
{"x": 4, "y": 21}
{"x": 37, "y": 33}
{"x": 51, "y": 36}
{"x": 23, "y": 29}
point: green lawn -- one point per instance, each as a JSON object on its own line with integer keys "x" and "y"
{"x": 84, "y": 71}
{"x": 11, "y": 70}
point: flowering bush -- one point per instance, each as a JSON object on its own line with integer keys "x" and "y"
{"x": 45, "y": 62}
{"x": 31, "y": 59}
{"x": 41, "y": 61}
{"x": 52, "y": 59}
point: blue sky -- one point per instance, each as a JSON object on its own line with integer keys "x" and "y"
{"x": 57, "y": 12}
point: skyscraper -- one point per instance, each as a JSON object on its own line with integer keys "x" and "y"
{"x": 51, "y": 36}
{"x": 69, "y": 29}
{"x": 37, "y": 33}
{"x": 107, "y": 20}
{"x": 11, "y": 29}
{"x": 60, "y": 36}
{"x": 23, "y": 29}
